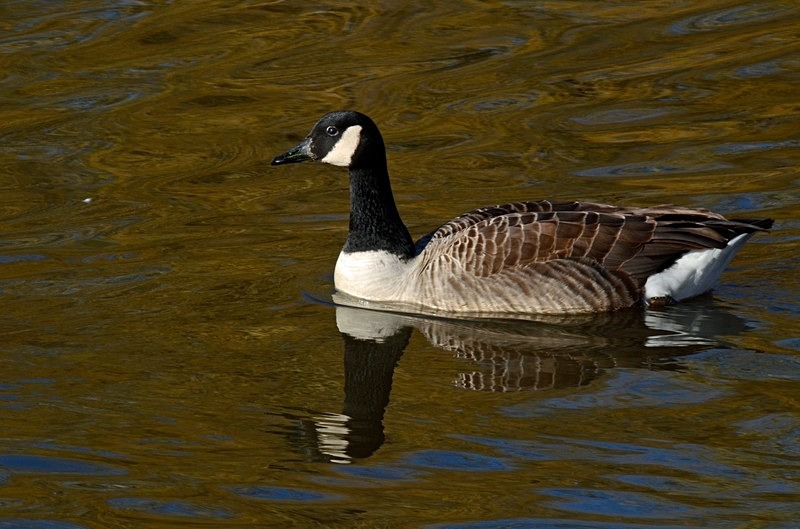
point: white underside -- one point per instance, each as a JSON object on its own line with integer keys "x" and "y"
{"x": 693, "y": 274}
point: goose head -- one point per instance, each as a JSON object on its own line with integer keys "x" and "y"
{"x": 351, "y": 139}
{"x": 345, "y": 138}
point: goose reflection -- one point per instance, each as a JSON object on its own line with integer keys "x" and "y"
{"x": 501, "y": 356}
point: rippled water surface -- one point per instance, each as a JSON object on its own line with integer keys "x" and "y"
{"x": 169, "y": 355}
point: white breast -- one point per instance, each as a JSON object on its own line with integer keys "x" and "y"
{"x": 373, "y": 275}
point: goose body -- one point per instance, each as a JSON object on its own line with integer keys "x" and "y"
{"x": 514, "y": 259}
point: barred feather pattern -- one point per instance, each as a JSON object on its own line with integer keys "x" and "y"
{"x": 556, "y": 257}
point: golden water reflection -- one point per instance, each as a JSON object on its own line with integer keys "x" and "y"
{"x": 500, "y": 356}
{"x": 162, "y": 361}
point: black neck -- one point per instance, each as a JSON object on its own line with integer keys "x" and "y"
{"x": 375, "y": 223}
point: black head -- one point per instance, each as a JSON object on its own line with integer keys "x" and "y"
{"x": 350, "y": 139}
{"x": 345, "y": 138}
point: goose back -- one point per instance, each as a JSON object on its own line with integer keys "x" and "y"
{"x": 555, "y": 257}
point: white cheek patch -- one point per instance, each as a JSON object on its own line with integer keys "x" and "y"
{"x": 342, "y": 153}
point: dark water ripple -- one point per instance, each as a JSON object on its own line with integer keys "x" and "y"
{"x": 29, "y": 464}
{"x": 22, "y": 523}
{"x": 753, "y": 13}
{"x": 170, "y": 509}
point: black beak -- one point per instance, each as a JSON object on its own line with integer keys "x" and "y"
{"x": 301, "y": 153}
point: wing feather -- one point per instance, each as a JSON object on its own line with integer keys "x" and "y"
{"x": 634, "y": 241}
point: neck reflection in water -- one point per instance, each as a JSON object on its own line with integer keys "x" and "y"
{"x": 499, "y": 356}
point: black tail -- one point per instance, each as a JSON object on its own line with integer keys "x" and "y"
{"x": 761, "y": 224}
{"x": 734, "y": 227}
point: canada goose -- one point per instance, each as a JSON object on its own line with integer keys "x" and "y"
{"x": 518, "y": 259}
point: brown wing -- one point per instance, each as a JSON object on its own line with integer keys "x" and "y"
{"x": 636, "y": 241}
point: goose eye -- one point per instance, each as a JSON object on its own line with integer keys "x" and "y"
{"x": 332, "y": 131}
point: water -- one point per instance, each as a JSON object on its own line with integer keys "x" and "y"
{"x": 169, "y": 354}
